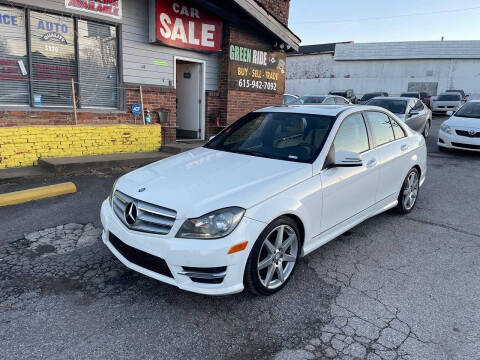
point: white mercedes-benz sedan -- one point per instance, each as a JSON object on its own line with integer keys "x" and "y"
{"x": 462, "y": 130}
{"x": 275, "y": 185}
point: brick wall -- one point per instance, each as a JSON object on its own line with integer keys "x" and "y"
{"x": 278, "y": 8}
{"x": 24, "y": 145}
{"x": 153, "y": 97}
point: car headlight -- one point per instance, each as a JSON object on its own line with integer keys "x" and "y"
{"x": 214, "y": 225}
{"x": 445, "y": 128}
{"x": 110, "y": 198}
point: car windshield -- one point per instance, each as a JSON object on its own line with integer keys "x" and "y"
{"x": 309, "y": 100}
{"x": 410, "y": 95}
{"x": 449, "y": 97}
{"x": 367, "y": 97}
{"x": 469, "y": 110}
{"x": 395, "y": 106}
{"x": 283, "y": 136}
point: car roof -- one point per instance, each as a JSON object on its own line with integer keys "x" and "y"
{"x": 327, "y": 110}
{"x": 393, "y": 98}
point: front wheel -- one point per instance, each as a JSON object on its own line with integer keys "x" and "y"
{"x": 409, "y": 192}
{"x": 273, "y": 258}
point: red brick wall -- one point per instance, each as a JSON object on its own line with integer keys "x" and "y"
{"x": 278, "y": 8}
{"x": 153, "y": 98}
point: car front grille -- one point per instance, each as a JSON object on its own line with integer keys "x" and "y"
{"x": 476, "y": 134}
{"x": 466, "y": 146}
{"x": 146, "y": 217}
{"x": 140, "y": 258}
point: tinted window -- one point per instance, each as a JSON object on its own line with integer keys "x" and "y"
{"x": 381, "y": 127}
{"x": 395, "y": 106}
{"x": 309, "y": 100}
{"x": 352, "y": 135}
{"x": 284, "y": 136}
{"x": 418, "y": 105}
{"x": 397, "y": 129}
{"x": 329, "y": 101}
{"x": 449, "y": 97}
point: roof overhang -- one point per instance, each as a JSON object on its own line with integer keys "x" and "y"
{"x": 270, "y": 22}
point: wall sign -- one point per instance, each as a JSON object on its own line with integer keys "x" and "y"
{"x": 181, "y": 24}
{"x": 136, "y": 109}
{"x": 256, "y": 70}
{"x": 109, "y": 8}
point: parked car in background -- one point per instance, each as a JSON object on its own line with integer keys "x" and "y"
{"x": 347, "y": 94}
{"x": 418, "y": 95}
{"x": 368, "y": 96}
{"x": 321, "y": 100}
{"x": 410, "y": 110}
{"x": 274, "y": 186}
{"x": 289, "y": 98}
{"x": 461, "y": 92}
{"x": 451, "y": 101}
{"x": 462, "y": 130}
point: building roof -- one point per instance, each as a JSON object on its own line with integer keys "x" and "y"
{"x": 409, "y": 50}
{"x": 328, "y": 48}
{"x": 270, "y": 22}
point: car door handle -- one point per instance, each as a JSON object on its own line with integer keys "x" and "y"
{"x": 372, "y": 163}
{"x": 404, "y": 147}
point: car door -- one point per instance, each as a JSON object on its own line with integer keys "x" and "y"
{"x": 348, "y": 191}
{"x": 391, "y": 145}
{"x": 415, "y": 117}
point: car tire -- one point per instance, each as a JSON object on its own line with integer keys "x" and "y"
{"x": 426, "y": 129}
{"x": 407, "y": 198}
{"x": 270, "y": 266}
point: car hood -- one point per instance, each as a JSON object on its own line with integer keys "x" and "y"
{"x": 462, "y": 122}
{"x": 203, "y": 180}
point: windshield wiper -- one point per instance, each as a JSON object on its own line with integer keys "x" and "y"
{"x": 255, "y": 153}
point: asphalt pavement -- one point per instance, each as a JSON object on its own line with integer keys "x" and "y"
{"x": 394, "y": 287}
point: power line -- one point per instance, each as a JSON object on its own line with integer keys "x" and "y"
{"x": 383, "y": 17}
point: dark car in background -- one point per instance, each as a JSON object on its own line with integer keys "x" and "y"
{"x": 368, "y": 96}
{"x": 347, "y": 94}
{"x": 418, "y": 95}
{"x": 461, "y": 92}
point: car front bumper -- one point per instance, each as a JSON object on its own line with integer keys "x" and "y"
{"x": 200, "y": 266}
{"x": 454, "y": 141}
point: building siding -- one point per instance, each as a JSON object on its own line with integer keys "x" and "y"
{"x": 139, "y": 55}
{"x": 319, "y": 74}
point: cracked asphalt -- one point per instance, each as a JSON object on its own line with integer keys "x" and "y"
{"x": 394, "y": 287}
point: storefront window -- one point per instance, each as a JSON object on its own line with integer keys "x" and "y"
{"x": 97, "y": 64}
{"x": 14, "y": 89}
{"x": 53, "y": 59}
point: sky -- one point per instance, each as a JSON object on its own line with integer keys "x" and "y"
{"x": 320, "y": 21}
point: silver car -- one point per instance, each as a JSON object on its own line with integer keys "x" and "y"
{"x": 412, "y": 111}
{"x": 321, "y": 100}
{"x": 451, "y": 101}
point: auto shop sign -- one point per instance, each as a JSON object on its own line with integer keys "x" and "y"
{"x": 109, "y": 8}
{"x": 183, "y": 25}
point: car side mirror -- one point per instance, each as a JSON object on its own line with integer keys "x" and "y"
{"x": 449, "y": 113}
{"x": 344, "y": 158}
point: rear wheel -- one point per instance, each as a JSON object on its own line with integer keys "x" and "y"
{"x": 426, "y": 129}
{"x": 409, "y": 192}
{"x": 273, "y": 258}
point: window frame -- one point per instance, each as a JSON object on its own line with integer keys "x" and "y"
{"x": 75, "y": 17}
{"x": 393, "y": 132}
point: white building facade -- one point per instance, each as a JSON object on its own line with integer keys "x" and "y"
{"x": 431, "y": 66}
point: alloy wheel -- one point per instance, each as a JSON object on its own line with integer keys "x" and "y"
{"x": 277, "y": 256}
{"x": 426, "y": 131}
{"x": 411, "y": 191}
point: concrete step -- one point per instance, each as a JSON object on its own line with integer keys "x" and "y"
{"x": 19, "y": 174}
{"x": 63, "y": 165}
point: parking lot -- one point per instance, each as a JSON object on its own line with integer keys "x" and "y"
{"x": 391, "y": 288}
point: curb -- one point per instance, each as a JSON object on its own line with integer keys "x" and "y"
{"x": 19, "y": 197}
